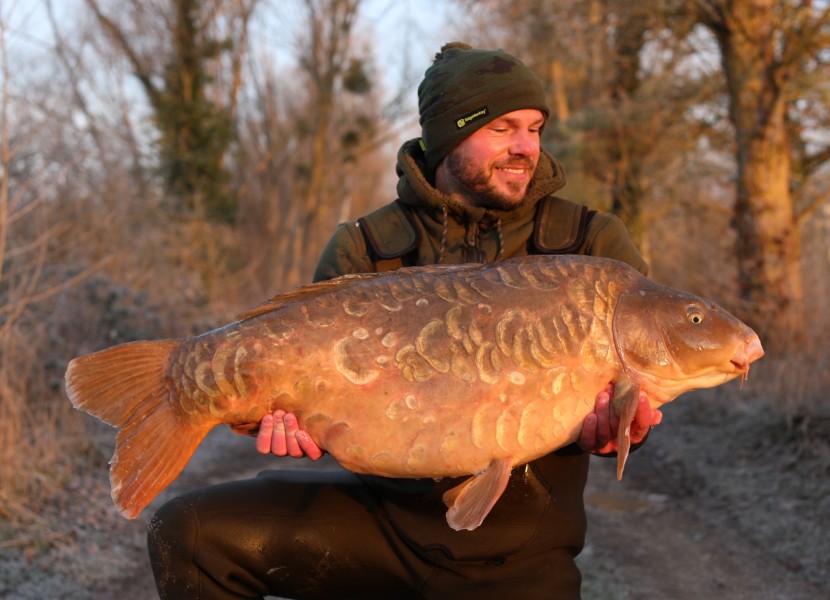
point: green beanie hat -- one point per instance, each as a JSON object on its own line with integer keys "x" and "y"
{"x": 464, "y": 89}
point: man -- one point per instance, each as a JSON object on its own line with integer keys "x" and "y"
{"x": 476, "y": 187}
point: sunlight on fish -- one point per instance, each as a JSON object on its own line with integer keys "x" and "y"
{"x": 439, "y": 371}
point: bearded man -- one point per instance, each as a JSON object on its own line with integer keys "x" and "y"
{"x": 475, "y": 187}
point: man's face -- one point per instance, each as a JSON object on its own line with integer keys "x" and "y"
{"x": 493, "y": 167}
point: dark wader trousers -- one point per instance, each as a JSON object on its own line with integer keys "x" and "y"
{"x": 324, "y": 534}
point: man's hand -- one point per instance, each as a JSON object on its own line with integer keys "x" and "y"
{"x": 599, "y": 430}
{"x": 279, "y": 434}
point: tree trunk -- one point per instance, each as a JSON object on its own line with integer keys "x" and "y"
{"x": 626, "y": 188}
{"x": 330, "y": 23}
{"x": 769, "y": 246}
{"x": 195, "y": 132}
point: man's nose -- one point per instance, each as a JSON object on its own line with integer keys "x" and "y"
{"x": 525, "y": 143}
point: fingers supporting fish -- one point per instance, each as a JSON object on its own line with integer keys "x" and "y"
{"x": 280, "y": 434}
{"x": 607, "y": 419}
{"x": 644, "y": 419}
{"x": 264, "y": 435}
{"x": 597, "y": 433}
{"x": 309, "y": 448}
{"x": 286, "y": 429}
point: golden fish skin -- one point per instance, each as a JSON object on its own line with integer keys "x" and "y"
{"x": 422, "y": 372}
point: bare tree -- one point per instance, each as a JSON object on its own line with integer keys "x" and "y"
{"x": 325, "y": 56}
{"x": 764, "y": 45}
{"x": 619, "y": 115}
{"x": 35, "y": 234}
{"x": 314, "y": 134}
{"x": 196, "y": 127}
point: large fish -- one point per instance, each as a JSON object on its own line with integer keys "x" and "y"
{"x": 422, "y": 372}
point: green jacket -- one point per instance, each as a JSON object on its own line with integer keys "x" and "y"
{"x": 426, "y": 227}
{"x": 541, "y": 516}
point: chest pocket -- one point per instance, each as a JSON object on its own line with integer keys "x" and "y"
{"x": 390, "y": 234}
{"x": 560, "y": 226}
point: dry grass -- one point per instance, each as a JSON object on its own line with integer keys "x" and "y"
{"x": 173, "y": 281}
{"x": 40, "y": 440}
{"x": 796, "y": 385}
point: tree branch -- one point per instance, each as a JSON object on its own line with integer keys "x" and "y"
{"x": 119, "y": 38}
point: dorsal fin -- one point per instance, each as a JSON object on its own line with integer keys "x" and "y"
{"x": 306, "y": 292}
{"x": 311, "y": 290}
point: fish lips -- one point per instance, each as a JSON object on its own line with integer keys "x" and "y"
{"x": 746, "y": 355}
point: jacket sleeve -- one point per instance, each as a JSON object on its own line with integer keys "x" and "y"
{"x": 607, "y": 236}
{"x": 344, "y": 253}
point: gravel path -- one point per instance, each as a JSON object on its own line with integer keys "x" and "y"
{"x": 700, "y": 514}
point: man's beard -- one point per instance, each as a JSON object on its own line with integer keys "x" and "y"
{"x": 478, "y": 189}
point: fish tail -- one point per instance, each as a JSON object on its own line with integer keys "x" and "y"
{"x": 126, "y": 387}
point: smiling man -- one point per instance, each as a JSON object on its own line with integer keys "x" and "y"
{"x": 476, "y": 187}
{"x": 494, "y": 166}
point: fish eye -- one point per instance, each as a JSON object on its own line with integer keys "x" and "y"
{"x": 695, "y": 315}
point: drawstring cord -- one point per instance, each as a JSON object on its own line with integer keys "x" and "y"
{"x": 445, "y": 229}
{"x": 444, "y": 234}
{"x": 500, "y": 253}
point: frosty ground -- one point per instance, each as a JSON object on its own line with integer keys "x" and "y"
{"x": 725, "y": 501}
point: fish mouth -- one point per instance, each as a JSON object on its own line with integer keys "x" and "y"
{"x": 741, "y": 367}
{"x": 749, "y": 353}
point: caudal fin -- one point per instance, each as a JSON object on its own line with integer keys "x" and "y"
{"x": 126, "y": 387}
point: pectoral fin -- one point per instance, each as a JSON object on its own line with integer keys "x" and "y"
{"x": 470, "y": 502}
{"x": 626, "y": 398}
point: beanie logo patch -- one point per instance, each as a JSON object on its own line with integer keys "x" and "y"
{"x": 473, "y": 116}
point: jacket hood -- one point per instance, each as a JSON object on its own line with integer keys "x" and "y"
{"x": 415, "y": 189}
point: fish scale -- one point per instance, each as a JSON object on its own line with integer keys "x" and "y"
{"x": 438, "y": 371}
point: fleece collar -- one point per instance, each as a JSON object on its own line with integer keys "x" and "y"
{"x": 416, "y": 190}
